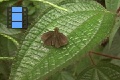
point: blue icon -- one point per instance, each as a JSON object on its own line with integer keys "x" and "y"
{"x": 16, "y": 9}
{"x": 17, "y": 17}
{"x": 16, "y": 24}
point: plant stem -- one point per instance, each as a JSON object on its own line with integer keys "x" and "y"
{"x": 91, "y": 58}
{"x": 19, "y": 2}
{"x": 54, "y": 5}
{"x": 105, "y": 55}
{"x": 7, "y": 58}
{"x": 113, "y": 57}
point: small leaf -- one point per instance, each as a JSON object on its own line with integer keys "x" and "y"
{"x": 102, "y": 71}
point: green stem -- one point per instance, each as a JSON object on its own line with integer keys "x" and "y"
{"x": 7, "y": 58}
{"x": 56, "y": 6}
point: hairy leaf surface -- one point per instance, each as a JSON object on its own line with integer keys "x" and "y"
{"x": 85, "y": 24}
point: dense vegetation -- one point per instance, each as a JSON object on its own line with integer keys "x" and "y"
{"x": 92, "y": 30}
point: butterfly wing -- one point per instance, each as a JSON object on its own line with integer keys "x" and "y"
{"x": 49, "y": 41}
{"x": 57, "y": 43}
{"x": 62, "y": 39}
{"x": 46, "y": 35}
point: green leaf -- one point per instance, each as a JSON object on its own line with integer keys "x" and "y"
{"x": 5, "y": 30}
{"x": 85, "y": 24}
{"x": 115, "y": 47}
{"x": 3, "y": 0}
{"x": 7, "y": 49}
{"x": 4, "y": 4}
{"x": 10, "y": 38}
{"x": 112, "y": 5}
{"x": 31, "y": 10}
{"x": 47, "y": 2}
{"x": 102, "y": 71}
{"x": 116, "y": 62}
{"x": 83, "y": 63}
{"x": 114, "y": 30}
{"x": 64, "y": 75}
{"x": 41, "y": 8}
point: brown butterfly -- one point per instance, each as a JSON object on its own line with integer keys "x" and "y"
{"x": 54, "y": 38}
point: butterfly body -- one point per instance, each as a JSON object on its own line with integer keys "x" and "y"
{"x": 54, "y": 38}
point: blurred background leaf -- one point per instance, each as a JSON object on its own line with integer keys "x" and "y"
{"x": 112, "y": 5}
{"x": 102, "y": 71}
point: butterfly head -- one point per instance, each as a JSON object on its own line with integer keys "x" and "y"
{"x": 56, "y": 30}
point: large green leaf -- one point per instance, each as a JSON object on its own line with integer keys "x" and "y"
{"x": 85, "y": 24}
{"x": 102, "y": 71}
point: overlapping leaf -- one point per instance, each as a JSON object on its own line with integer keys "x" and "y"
{"x": 103, "y": 71}
{"x": 85, "y": 25}
{"x": 5, "y": 30}
{"x": 112, "y": 5}
{"x": 63, "y": 75}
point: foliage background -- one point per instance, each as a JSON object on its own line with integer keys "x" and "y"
{"x": 11, "y": 39}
